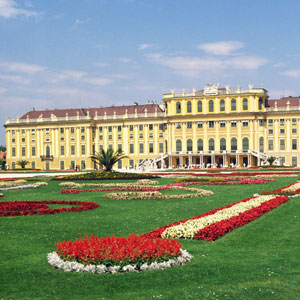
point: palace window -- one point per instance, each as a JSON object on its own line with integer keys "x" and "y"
{"x": 233, "y": 104}
{"x": 62, "y": 130}
{"x": 294, "y": 144}
{"x": 294, "y": 121}
{"x": 189, "y": 145}
{"x": 130, "y": 127}
{"x": 245, "y": 104}
{"x": 119, "y": 136}
{"x": 282, "y": 144}
{"x": 72, "y": 149}
{"x": 150, "y": 126}
{"x": 72, "y": 129}
{"x": 141, "y": 148}
{"x": 178, "y": 146}
{"x": 131, "y": 136}
{"x": 199, "y": 106}
{"x": 100, "y": 128}
{"x": 82, "y": 149}
{"x": 62, "y": 150}
{"x": 82, "y": 129}
{"x": 245, "y": 123}
{"x": 222, "y": 124}
{"x": 282, "y": 131}
{"x": 189, "y": 125}
{"x": 150, "y": 135}
{"x": 211, "y": 144}
{"x": 294, "y": 130}
{"x": 261, "y": 144}
{"x": 13, "y": 132}
{"x": 245, "y": 144}
{"x": 131, "y": 148}
{"x": 189, "y": 107}
{"x": 109, "y": 128}
{"x": 150, "y": 147}
{"x": 13, "y": 151}
{"x": 23, "y": 151}
{"x": 140, "y": 127}
{"x": 161, "y": 147}
{"x": 270, "y": 122}
{"x": 270, "y": 131}
{"x": 211, "y": 106}
{"x": 260, "y": 103}
{"x": 200, "y": 124}
{"x": 178, "y": 125}
{"x": 200, "y": 145}
{"x": 33, "y": 131}
{"x": 161, "y": 126}
{"x": 261, "y": 122}
{"x": 222, "y": 144}
{"x": 211, "y": 124}
{"x": 82, "y": 137}
{"x": 23, "y": 132}
{"x": 141, "y": 135}
{"x": 23, "y": 140}
{"x": 33, "y": 151}
{"x": 178, "y": 108}
{"x": 119, "y": 128}
{"x": 110, "y": 137}
{"x": 222, "y": 105}
{"x": 233, "y": 144}
{"x": 270, "y": 145}
{"x": 281, "y": 122}
{"x": 233, "y": 123}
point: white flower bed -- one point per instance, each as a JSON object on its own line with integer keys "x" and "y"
{"x": 188, "y": 229}
{"x": 140, "y": 183}
{"x": 25, "y": 186}
{"x": 71, "y": 266}
{"x": 12, "y": 183}
{"x": 292, "y": 188}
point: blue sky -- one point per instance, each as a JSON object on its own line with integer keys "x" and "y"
{"x": 87, "y": 53}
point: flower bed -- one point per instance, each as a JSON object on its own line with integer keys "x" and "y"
{"x": 291, "y": 189}
{"x": 116, "y": 254}
{"x": 216, "y": 223}
{"x": 25, "y": 208}
{"x": 2, "y": 196}
{"x": 24, "y": 186}
{"x": 105, "y": 175}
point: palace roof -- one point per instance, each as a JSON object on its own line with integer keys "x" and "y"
{"x": 282, "y": 102}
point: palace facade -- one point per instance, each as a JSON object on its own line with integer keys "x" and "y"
{"x": 212, "y": 127}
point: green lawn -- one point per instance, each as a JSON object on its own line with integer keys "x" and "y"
{"x": 259, "y": 260}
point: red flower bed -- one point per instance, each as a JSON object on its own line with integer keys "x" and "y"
{"x": 218, "y": 229}
{"x": 27, "y": 208}
{"x": 118, "y": 250}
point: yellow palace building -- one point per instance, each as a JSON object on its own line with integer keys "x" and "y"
{"x": 213, "y": 127}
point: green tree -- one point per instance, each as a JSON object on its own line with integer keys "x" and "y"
{"x": 22, "y": 163}
{"x": 2, "y": 148}
{"x": 2, "y": 164}
{"x": 271, "y": 160}
{"x": 108, "y": 158}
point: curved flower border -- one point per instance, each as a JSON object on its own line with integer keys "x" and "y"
{"x": 28, "y": 208}
{"x": 56, "y": 262}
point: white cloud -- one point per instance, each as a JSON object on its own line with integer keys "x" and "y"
{"x": 221, "y": 48}
{"x": 278, "y": 65}
{"x": 124, "y": 60}
{"x": 97, "y": 81}
{"x": 9, "y": 9}
{"x": 2, "y": 90}
{"x": 194, "y": 66}
{"x": 80, "y": 22}
{"x": 15, "y": 79}
{"x": 292, "y": 73}
{"x": 101, "y": 64}
{"x": 21, "y": 67}
{"x": 144, "y": 46}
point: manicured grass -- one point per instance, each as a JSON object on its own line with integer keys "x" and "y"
{"x": 259, "y": 260}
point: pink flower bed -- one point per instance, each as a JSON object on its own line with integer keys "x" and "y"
{"x": 27, "y": 208}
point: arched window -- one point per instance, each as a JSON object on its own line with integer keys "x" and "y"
{"x": 211, "y": 106}
{"x": 199, "y": 106}
{"x": 245, "y": 144}
{"x": 222, "y": 144}
{"x": 261, "y": 144}
{"x": 233, "y": 144}
{"x": 245, "y": 104}
{"x": 233, "y": 104}
{"x": 222, "y": 105}
{"x": 189, "y": 145}
{"x": 189, "y": 107}
{"x": 178, "y": 146}
{"x": 178, "y": 108}
{"x": 47, "y": 150}
{"x": 211, "y": 144}
{"x": 260, "y": 103}
{"x": 200, "y": 145}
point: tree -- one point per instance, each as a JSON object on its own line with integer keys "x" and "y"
{"x": 271, "y": 159}
{"x": 108, "y": 158}
{"x": 2, "y": 148}
{"x": 22, "y": 163}
{"x": 2, "y": 164}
